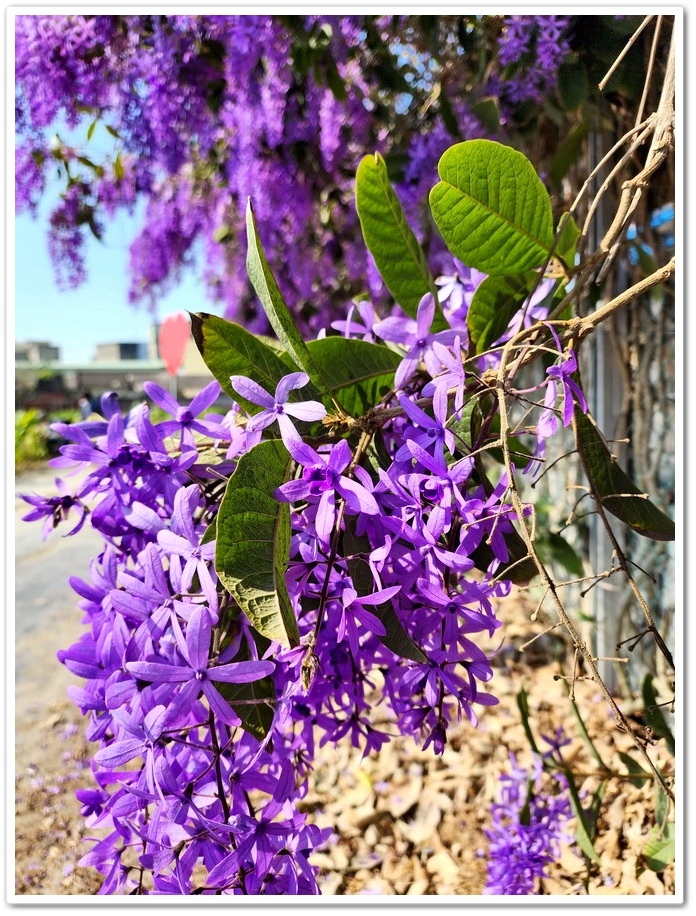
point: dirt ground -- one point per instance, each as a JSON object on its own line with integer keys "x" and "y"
{"x": 406, "y": 822}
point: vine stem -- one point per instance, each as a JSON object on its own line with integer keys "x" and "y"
{"x": 309, "y": 662}
{"x": 549, "y": 584}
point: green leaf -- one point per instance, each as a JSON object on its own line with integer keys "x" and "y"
{"x": 358, "y": 373}
{"x": 583, "y": 826}
{"x": 249, "y": 701}
{"x": 616, "y": 492}
{"x": 397, "y": 253}
{"x": 519, "y": 569}
{"x": 523, "y": 706}
{"x": 494, "y": 303}
{"x": 119, "y": 170}
{"x": 567, "y": 153}
{"x": 223, "y": 234}
{"x": 659, "y": 850}
{"x": 276, "y": 310}
{"x": 584, "y": 734}
{"x": 91, "y": 129}
{"x": 253, "y": 541}
{"x": 228, "y": 349}
{"x": 562, "y": 552}
{"x": 492, "y": 209}
{"x": 210, "y": 532}
{"x": 638, "y": 774}
{"x": 567, "y": 243}
{"x": 654, "y": 715}
{"x": 572, "y": 85}
{"x": 487, "y": 110}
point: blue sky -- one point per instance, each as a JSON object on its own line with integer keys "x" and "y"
{"x": 96, "y": 312}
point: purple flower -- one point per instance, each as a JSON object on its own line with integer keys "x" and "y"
{"x": 195, "y": 673}
{"x": 417, "y": 337}
{"x": 352, "y": 327}
{"x": 527, "y": 830}
{"x": 351, "y": 609}
{"x": 323, "y": 478}
{"x": 55, "y": 509}
{"x": 277, "y": 407}
{"x": 185, "y": 422}
{"x": 427, "y": 432}
{"x": 145, "y": 742}
{"x": 452, "y": 377}
{"x": 560, "y": 377}
{"x": 183, "y": 541}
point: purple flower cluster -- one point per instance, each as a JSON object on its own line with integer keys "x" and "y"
{"x": 533, "y": 47}
{"x": 529, "y": 825}
{"x": 397, "y": 554}
{"x": 204, "y": 111}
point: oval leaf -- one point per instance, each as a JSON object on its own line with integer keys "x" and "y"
{"x": 492, "y": 209}
{"x": 390, "y": 240}
{"x": 610, "y": 485}
{"x": 495, "y": 302}
{"x": 358, "y": 373}
{"x": 253, "y": 541}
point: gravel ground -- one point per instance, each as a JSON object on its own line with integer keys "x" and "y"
{"x": 406, "y": 822}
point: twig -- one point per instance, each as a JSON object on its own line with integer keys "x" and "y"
{"x": 629, "y": 44}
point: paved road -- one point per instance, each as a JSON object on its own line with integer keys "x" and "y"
{"x": 46, "y": 610}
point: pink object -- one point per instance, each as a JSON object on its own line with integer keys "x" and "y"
{"x": 174, "y": 333}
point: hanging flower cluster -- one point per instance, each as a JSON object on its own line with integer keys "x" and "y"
{"x": 399, "y": 544}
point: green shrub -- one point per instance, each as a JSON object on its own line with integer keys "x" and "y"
{"x": 31, "y": 445}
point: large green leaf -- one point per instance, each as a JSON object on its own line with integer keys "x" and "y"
{"x": 616, "y": 492}
{"x": 397, "y": 253}
{"x": 276, "y": 310}
{"x": 253, "y": 541}
{"x": 495, "y": 302}
{"x": 357, "y": 372}
{"x": 492, "y": 209}
{"x": 228, "y": 349}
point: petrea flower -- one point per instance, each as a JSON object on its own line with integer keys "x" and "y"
{"x": 426, "y": 431}
{"x": 453, "y": 377}
{"x": 417, "y": 337}
{"x": 352, "y": 327}
{"x": 183, "y": 541}
{"x": 352, "y": 609}
{"x": 185, "y": 421}
{"x": 277, "y": 407}
{"x": 55, "y": 509}
{"x": 195, "y": 673}
{"x": 560, "y": 377}
{"x": 144, "y": 742}
{"x": 323, "y": 478}
{"x": 527, "y": 829}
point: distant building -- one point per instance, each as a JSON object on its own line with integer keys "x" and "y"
{"x": 115, "y": 352}
{"x": 35, "y": 353}
{"x": 41, "y": 380}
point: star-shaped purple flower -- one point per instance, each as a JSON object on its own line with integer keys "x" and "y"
{"x": 276, "y": 406}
